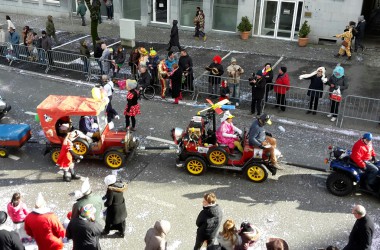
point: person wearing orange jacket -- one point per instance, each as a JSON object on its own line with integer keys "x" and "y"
{"x": 281, "y": 87}
{"x": 362, "y": 153}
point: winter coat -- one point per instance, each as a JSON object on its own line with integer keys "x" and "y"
{"x": 18, "y": 213}
{"x": 185, "y": 63}
{"x": 224, "y": 92}
{"x": 50, "y": 28}
{"x": 46, "y": 43}
{"x": 84, "y": 233}
{"x": 119, "y": 57}
{"x": 10, "y": 240}
{"x": 108, "y": 2}
{"x": 268, "y": 75}
{"x": 226, "y": 243}
{"x": 84, "y": 51}
{"x": 338, "y": 82}
{"x": 208, "y": 222}
{"x": 234, "y": 71}
{"x": 245, "y": 243}
{"x": 93, "y": 199}
{"x": 316, "y": 83}
{"x": 169, "y": 63}
{"x": 10, "y": 25}
{"x": 153, "y": 61}
{"x": 14, "y": 38}
{"x": 225, "y": 129}
{"x": 256, "y": 134}
{"x": 155, "y": 238}
{"x": 105, "y": 60}
{"x": 134, "y": 58}
{"x": 46, "y": 229}
{"x": 115, "y": 203}
{"x": 98, "y": 51}
{"x": 176, "y": 81}
{"x": 362, "y": 152}
{"x": 212, "y": 79}
{"x": 282, "y": 84}
{"x": 82, "y": 9}
{"x": 360, "y": 28}
{"x": 258, "y": 88}
{"x": 174, "y": 37}
{"x": 347, "y": 36}
{"x": 144, "y": 80}
{"x": 361, "y": 235}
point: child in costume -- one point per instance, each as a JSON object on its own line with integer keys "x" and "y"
{"x": 162, "y": 75}
{"x": 224, "y": 91}
{"x": 132, "y": 108}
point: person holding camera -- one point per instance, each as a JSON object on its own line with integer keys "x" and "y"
{"x": 234, "y": 71}
{"x": 258, "y": 83}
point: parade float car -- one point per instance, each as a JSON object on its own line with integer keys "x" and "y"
{"x": 13, "y": 136}
{"x": 199, "y": 150}
{"x": 113, "y": 146}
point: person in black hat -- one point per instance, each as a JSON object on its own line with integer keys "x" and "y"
{"x": 9, "y": 240}
{"x": 258, "y": 91}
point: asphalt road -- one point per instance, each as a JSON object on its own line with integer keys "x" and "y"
{"x": 294, "y": 204}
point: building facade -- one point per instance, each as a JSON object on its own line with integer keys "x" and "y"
{"x": 278, "y": 19}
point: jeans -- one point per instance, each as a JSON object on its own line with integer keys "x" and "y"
{"x": 256, "y": 104}
{"x": 83, "y": 20}
{"x": 281, "y": 101}
{"x": 110, "y": 12}
{"x": 371, "y": 173}
{"x": 85, "y": 65}
{"x": 314, "y": 100}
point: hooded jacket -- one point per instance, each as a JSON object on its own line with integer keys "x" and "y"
{"x": 256, "y": 134}
{"x": 174, "y": 37}
{"x": 85, "y": 234}
{"x": 208, "y": 222}
{"x": 10, "y": 240}
{"x": 155, "y": 238}
{"x": 362, "y": 152}
{"x": 91, "y": 198}
{"x": 17, "y": 213}
{"x": 115, "y": 203}
{"x": 282, "y": 84}
{"x": 50, "y": 28}
{"x": 337, "y": 79}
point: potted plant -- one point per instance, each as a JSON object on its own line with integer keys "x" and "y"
{"x": 245, "y": 27}
{"x": 303, "y": 40}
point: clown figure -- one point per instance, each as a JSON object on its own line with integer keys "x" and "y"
{"x": 162, "y": 75}
{"x": 225, "y": 134}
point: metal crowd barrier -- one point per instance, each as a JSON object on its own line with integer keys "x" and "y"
{"x": 360, "y": 108}
{"x": 68, "y": 61}
{"x": 29, "y": 54}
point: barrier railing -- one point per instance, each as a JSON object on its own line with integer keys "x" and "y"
{"x": 361, "y": 108}
{"x": 68, "y": 61}
{"x": 30, "y": 54}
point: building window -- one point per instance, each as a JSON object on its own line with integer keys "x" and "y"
{"x": 225, "y": 15}
{"x": 52, "y": 2}
{"x": 132, "y": 9}
{"x": 31, "y": 1}
{"x": 188, "y": 10}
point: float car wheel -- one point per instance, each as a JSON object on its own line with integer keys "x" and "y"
{"x": 3, "y": 153}
{"x": 195, "y": 165}
{"x": 256, "y": 173}
{"x": 54, "y": 153}
{"x": 83, "y": 147}
{"x": 114, "y": 159}
{"x": 339, "y": 184}
{"x": 217, "y": 156}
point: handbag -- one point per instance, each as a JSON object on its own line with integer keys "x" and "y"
{"x": 336, "y": 95}
{"x": 345, "y": 43}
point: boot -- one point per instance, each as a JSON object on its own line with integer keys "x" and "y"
{"x": 66, "y": 176}
{"x": 180, "y": 96}
{"x": 73, "y": 174}
{"x": 337, "y": 55}
{"x": 349, "y": 58}
{"x": 176, "y": 101}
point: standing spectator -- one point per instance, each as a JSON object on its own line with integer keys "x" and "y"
{"x": 105, "y": 59}
{"x": 132, "y": 108}
{"x": 50, "y": 29}
{"x": 175, "y": 80}
{"x": 216, "y": 70}
{"x": 361, "y": 234}
{"x": 234, "y": 71}
{"x": 268, "y": 75}
{"x": 35, "y": 46}
{"x": 201, "y": 26}
{"x": 346, "y": 44}
{"x": 85, "y": 230}
{"x": 249, "y": 235}
{"x": 46, "y": 44}
{"x": 258, "y": 84}
{"x": 281, "y": 86}
{"x": 315, "y": 91}
{"x": 174, "y": 37}
{"x": 108, "y": 87}
{"x": 277, "y": 244}
{"x": 24, "y": 35}
{"x": 119, "y": 59}
{"x": 109, "y": 6}
{"x": 155, "y": 237}
{"x": 98, "y": 51}
{"x": 9, "y": 23}
{"x": 336, "y": 81}
{"x": 85, "y": 52}
{"x": 17, "y": 210}
{"x": 185, "y": 63}
{"x": 162, "y": 76}
{"x": 196, "y": 23}
{"x": 360, "y": 28}
{"x": 115, "y": 203}
{"x": 81, "y": 10}
{"x": 228, "y": 238}
{"x": 29, "y": 44}
{"x": 8, "y": 240}
{"x": 170, "y": 60}
{"x": 88, "y": 198}
{"x": 14, "y": 39}
{"x": 96, "y": 4}
{"x": 208, "y": 221}
{"x": 134, "y": 61}
{"x": 153, "y": 61}
{"x": 2, "y": 35}
{"x": 44, "y": 226}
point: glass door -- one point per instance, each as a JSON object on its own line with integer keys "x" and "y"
{"x": 161, "y": 11}
{"x": 269, "y": 17}
{"x": 285, "y": 20}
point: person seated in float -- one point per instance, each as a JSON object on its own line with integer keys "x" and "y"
{"x": 63, "y": 126}
{"x": 89, "y": 127}
{"x": 225, "y": 134}
{"x": 258, "y": 137}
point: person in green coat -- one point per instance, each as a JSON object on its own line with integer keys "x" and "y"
{"x": 81, "y": 10}
{"x": 50, "y": 29}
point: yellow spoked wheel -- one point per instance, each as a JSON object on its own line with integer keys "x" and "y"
{"x": 80, "y": 147}
{"x": 3, "y": 153}
{"x": 217, "y": 156}
{"x": 54, "y": 155}
{"x": 256, "y": 173}
{"x": 114, "y": 159}
{"x": 195, "y": 165}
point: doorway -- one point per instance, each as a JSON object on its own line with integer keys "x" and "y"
{"x": 161, "y": 10}
{"x": 279, "y": 18}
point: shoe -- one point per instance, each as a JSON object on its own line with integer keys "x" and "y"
{"x": 133, "y": 129}
{"x": 333, "y": 119}
{"x": 314, "y": 112}
{"x": 121, "y": 234}
{"x": 329, "y": 115}
{"x": 74, "y": 176}
{"x": 278, "y": 166}
{"x": 105, "y": 232}
{"x": 66, "y": 176}
{"x": 308, "y": 112}
{"x": 349, "y": 58}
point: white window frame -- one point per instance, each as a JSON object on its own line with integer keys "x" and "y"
{"x": 52, "y": 2}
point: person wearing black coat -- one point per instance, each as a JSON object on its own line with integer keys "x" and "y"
{"x": 315, "y": 91}
{"x": 115, "y": 203}
{"x": 176, "y": 80}
{"x": 362, "y": 233}
{"x": 258, "y": 84}
{"x": 208, "y": 221}
{"x": 174, "y": 37}
{"x": 98, "y": 51}
{"x": 216, "y": 70}
{"x": 360, "y": 29}
{"x": 268, "y": 75}
{"x": 84, "y": 230}
{"x": 185, "y": 63}
{"x": 9, "y": 240}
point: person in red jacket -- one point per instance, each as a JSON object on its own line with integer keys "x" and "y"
{"x": 362, "y": 153}
{"x": 281, "y": 87}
